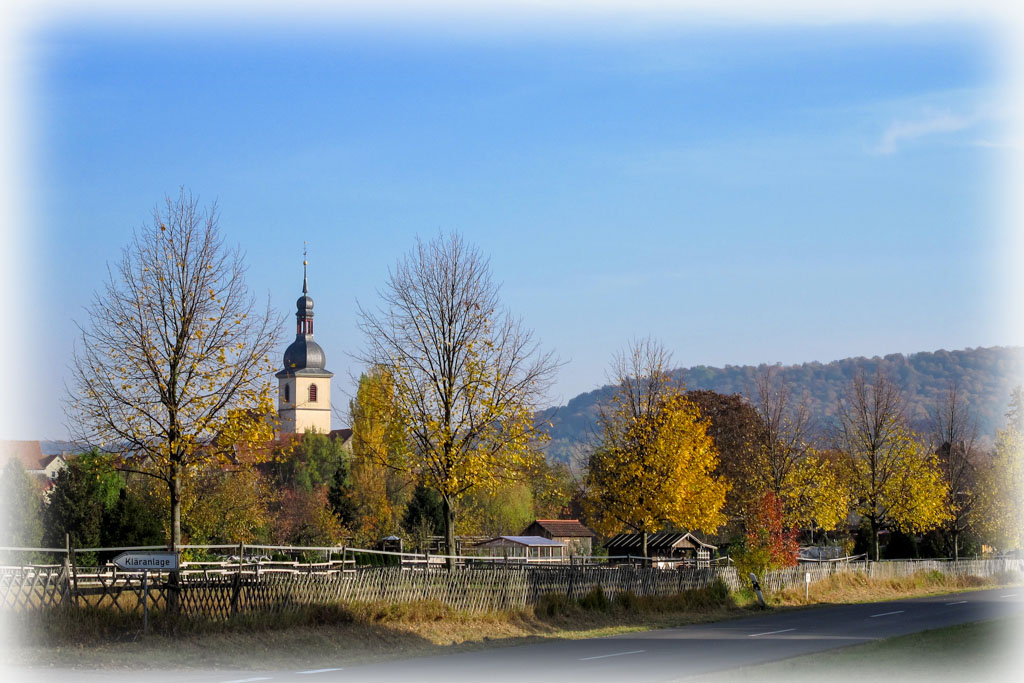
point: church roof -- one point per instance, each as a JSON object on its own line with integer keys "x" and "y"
{"x": 304, "y": 356}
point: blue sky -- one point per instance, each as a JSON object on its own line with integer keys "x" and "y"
{"x": 745, "y": 193}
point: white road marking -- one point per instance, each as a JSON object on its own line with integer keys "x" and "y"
{"x": 885, "y": 614}
{"x": 1009, "y": 595}
{"x": 249, "y": 680}
{"x": 617, "y": 654}
{"x": 962, "y": 602}
{"x": 769, "y": 633}
{"x": 317, "y": 671}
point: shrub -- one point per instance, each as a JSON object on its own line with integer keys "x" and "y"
{"x": 594, "y": 600}
{"x": 552, "y": 605}
{"x": 627, "y": 601}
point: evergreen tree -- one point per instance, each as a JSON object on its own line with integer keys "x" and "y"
{"x": 425, "y": 511}
{"x": 317, "y": 460}
{"x": 21, "y": 514}
{"x": 130, "y": 522}
{"x": 83, "y": 493}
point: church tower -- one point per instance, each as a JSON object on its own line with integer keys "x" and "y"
{"x": 304, "y": 386}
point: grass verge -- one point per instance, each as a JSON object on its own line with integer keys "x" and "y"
{"x": 337, "y": 635}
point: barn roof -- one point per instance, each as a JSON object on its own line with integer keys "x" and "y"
{"x": 528, "y": 541}
{"x": 662, "y": 541}
{"x": 563, "y": 528}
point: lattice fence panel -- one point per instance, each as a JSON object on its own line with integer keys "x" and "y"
{"x": 220, "y": 594}
{"x": 31, "y": 588}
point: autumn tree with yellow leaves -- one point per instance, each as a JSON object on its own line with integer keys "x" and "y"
{"x": 468, "y": 376}
{"x": 895, "y": 480}
{"x": 380, "y": 485}
{"x": 1000, "y": 514}
{"x": 811, "y": 487}
{"x": 817, "y": 492}
{"x": 172, "y": 366}
{"x": 653, "y": 466}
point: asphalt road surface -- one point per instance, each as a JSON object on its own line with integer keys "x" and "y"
{"x": 661, "y": 655}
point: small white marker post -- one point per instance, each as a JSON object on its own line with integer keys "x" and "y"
{"x": 807, "y": 585}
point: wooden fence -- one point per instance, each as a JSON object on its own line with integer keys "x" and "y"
{"x": 226, "y": 589}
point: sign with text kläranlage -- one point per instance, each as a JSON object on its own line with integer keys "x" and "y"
{"x": 139, "y": 561}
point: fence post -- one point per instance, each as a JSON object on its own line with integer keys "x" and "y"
{"x": 145, "y": 601}
{"x": 66, "y": 593}
{"x": 236, "y": 585}
{"x": 74, "y": 570}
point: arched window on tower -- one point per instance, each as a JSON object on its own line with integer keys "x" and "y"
{"x": 287, "y": 393}
{"x": 312, "y": 393}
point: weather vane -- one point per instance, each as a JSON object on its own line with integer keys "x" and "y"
{"x": 305, "y": 287}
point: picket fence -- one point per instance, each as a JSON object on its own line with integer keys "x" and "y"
{"x": 253, "y": 587}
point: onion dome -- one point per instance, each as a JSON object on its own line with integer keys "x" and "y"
{"x": 304, "y": 355}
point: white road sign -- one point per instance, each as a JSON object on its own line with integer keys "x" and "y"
{"x": 138, "y": 561}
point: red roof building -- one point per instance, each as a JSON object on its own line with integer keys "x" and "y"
{"x": 577, "y": 538}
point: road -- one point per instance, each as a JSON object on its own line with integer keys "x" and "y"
{"x": 661, "y": 655}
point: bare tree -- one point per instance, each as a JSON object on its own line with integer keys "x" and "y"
{"x": 954, "y": 435}
{"x": 785, "y": 431}
{"x": 642, "y": 377}
{"x": 172, "y": 368}
{"x": 467, "y": 375}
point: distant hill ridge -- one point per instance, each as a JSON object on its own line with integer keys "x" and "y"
{"x": 985, "y": 376}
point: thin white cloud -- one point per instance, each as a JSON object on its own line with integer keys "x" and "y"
{"x": 935, "y": 123}
{"x": 1011, "y": 143}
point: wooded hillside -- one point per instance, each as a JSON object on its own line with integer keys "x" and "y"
{"x": 985, "y": 376}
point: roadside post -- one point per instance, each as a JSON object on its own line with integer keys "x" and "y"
{"x": 135, "y": 561}
{"x": 757, "y": 589}
{"x": 807, "y": 585}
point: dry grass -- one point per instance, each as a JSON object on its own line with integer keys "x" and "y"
{"x": 856, "y": 587}
{"x": 338, "y": 635}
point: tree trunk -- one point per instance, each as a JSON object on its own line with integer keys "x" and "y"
{"x": 644, "y": 533}
{"x": 174, "y": 485}
{"x": 956, "y": 545}
{"x": 448, "y": 508}
{"x": 874, "y": 539}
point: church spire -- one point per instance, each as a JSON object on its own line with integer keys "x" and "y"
{"x": 304, "y": 395}
{"x": 305, "y": 287}
{"x": 304, "y": 306}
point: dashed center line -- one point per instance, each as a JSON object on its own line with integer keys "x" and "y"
{"x": 962, "y": 602}
{"x": 249, "y": 680}
{"x": 885, "y": 614}
{"x": 1009, "y": 595}
{"x": 317, "y": 671}
{"x": 617, "y": 654}
{"x": 769, "y": 633}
